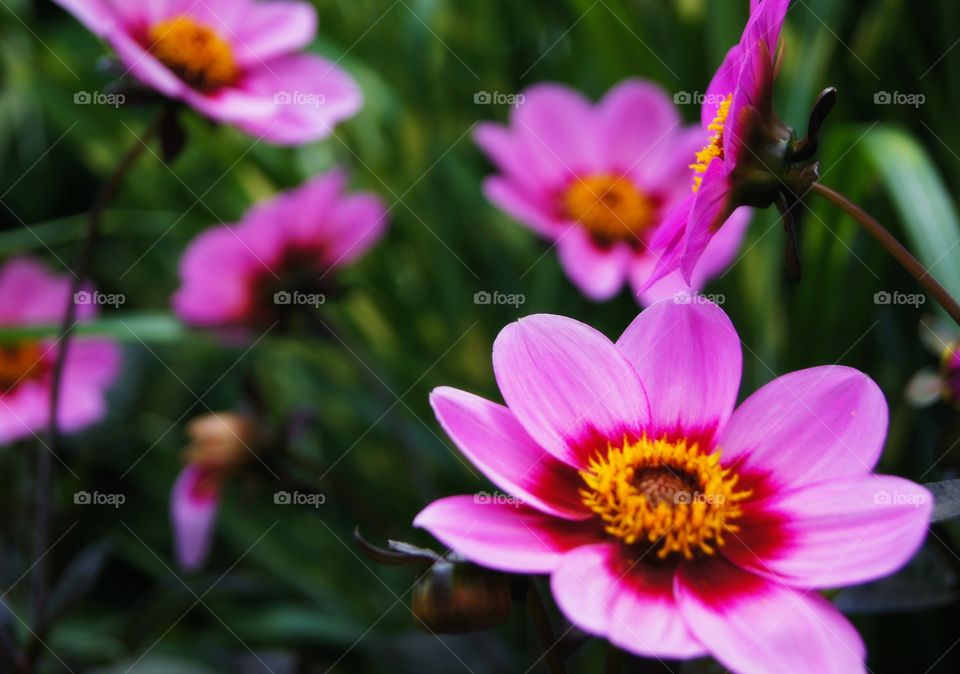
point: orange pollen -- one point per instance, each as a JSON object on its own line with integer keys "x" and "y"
{"x": 713, "y": 149}
{"x": 666, "y": 494}
{"x": 196, "y": 53}
{"x": 19, "y": 362}
{"x": 609, "y": 207}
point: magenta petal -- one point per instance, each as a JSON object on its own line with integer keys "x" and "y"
{"x": 569, "y": 386}
{"x": 270, "y": 29}
{"x": 537, "y": 212}
{"x": 635, "y": 119}
{"x": 503, "y": 536}
{"x": 723, "y": 84}
{"x": 757, "y": 626}
{"x": 193, "y": 514}
{"x": 808, "y": 426}
{"x": 710, "y": 210}
{"x": 599, "y": 273}
{"x": 689, "y": 359}
{"x": 96, "y": 15}
{"x": 629, "y": 603}
{"x": 556, "y": 125}
{"x": 494, "y": 441}
{"x": 840, "y": 532}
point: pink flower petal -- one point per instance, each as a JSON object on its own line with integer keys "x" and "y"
{"x": 716, "y": 259}
{"x": 840, "y": 532}
{"x": 808, "y": 426}
{"x": 356, "y": 224}
{"x": 534, "y": 211}
{"x": 757, "y": 626}
{"x": 495, "y": 442}
{"x": 689, "y": 359}
{"x": 599, "y": 273}
{"x": 97, "y": 15}
{"x": 509, "y": 155}
{"x": 710, "y": 210}
{"x": 193, "y": 514}
{"x": 569, "y": 386}
{"x": 629, "y": 603}
{"x": 723, "y": 84}
{"x": 30, "y": 294}
{"x": 270, "y": 29}
{"x": 556, "y": 125}
{"x": 91, "y": 367}
{"x": 636, "y": 123}
{"x": 309, "y": 95}
{"x": 507, "y": 537}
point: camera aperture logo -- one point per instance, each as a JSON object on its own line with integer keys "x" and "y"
{"x": 299, "y": 499}
{"x": 99, "y": 98}
{"x": 697, "y": 98}
{"x": 515, "y": 300}
{"x": 497, "y": 497}
{"x": 899, "y": 98}
{"x": 498, "y": 98}
{"x": 897, "y": 498}
{"x": 697, "y": 298}
{"x": 115, "y": 300}
{"x": 897, "y": 298}
{"x": 299, "y": 299}
{"x": 97, "y": 498}
{"x": 302, "y": 98}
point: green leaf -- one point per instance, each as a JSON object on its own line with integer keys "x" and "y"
{"x": 149, "y": 327}
{"x": 922, "y": 200}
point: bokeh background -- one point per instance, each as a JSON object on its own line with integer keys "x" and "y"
{"x": 285, "y": 589}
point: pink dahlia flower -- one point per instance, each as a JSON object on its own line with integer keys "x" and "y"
{"x": 599, "y": 180}
{"x": 235, "y": 61}
{"x": 671, "y": 523}
{"x": 737, "y": 117}
{"x": 32, "y": 296}
{"x": 283, "y": 253}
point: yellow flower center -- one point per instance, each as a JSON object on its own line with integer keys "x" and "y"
{"x": 713, "y": 149}
{"x": 609, "y": 207}
{"x": 666, "y": 494}
{"x": 19, "y": 362}
{"x": 196, "y": 53}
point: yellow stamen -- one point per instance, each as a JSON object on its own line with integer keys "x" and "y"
{"x": 713, "y": 149}
{"x": 19, "y": 362}
{"x": 667, "y": 494}
{"x": 609, "y": 207}
{"x": 196, "y": 53}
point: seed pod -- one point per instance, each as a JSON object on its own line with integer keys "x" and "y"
{"x": 455, "y": 598}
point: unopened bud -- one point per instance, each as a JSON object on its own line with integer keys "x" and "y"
{"x": 454, "y": 598}
{"x": 220, "y": 441}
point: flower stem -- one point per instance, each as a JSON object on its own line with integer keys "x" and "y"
{"x": 541, "y": 623}
{"x": 43, "y": 490}
{"x": 894, "y": 247}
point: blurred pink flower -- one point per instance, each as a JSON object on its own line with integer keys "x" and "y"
{"x": 737, "y": 117}
{"x": 671, "y": 523}
{"x": 32, "y": 296}
{"x": 220, "y": 444}
{"x": 285, "y": 250}
{"x": 235, "y": 61}
{"x": 598, "y": 181}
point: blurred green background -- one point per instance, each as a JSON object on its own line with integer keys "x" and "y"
{"x": 285, "y": 589}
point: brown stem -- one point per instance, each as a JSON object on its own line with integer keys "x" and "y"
{"x": 894, "y": 247}
{"x": 44, "y": 481}
{"x": 541, "y": 623}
